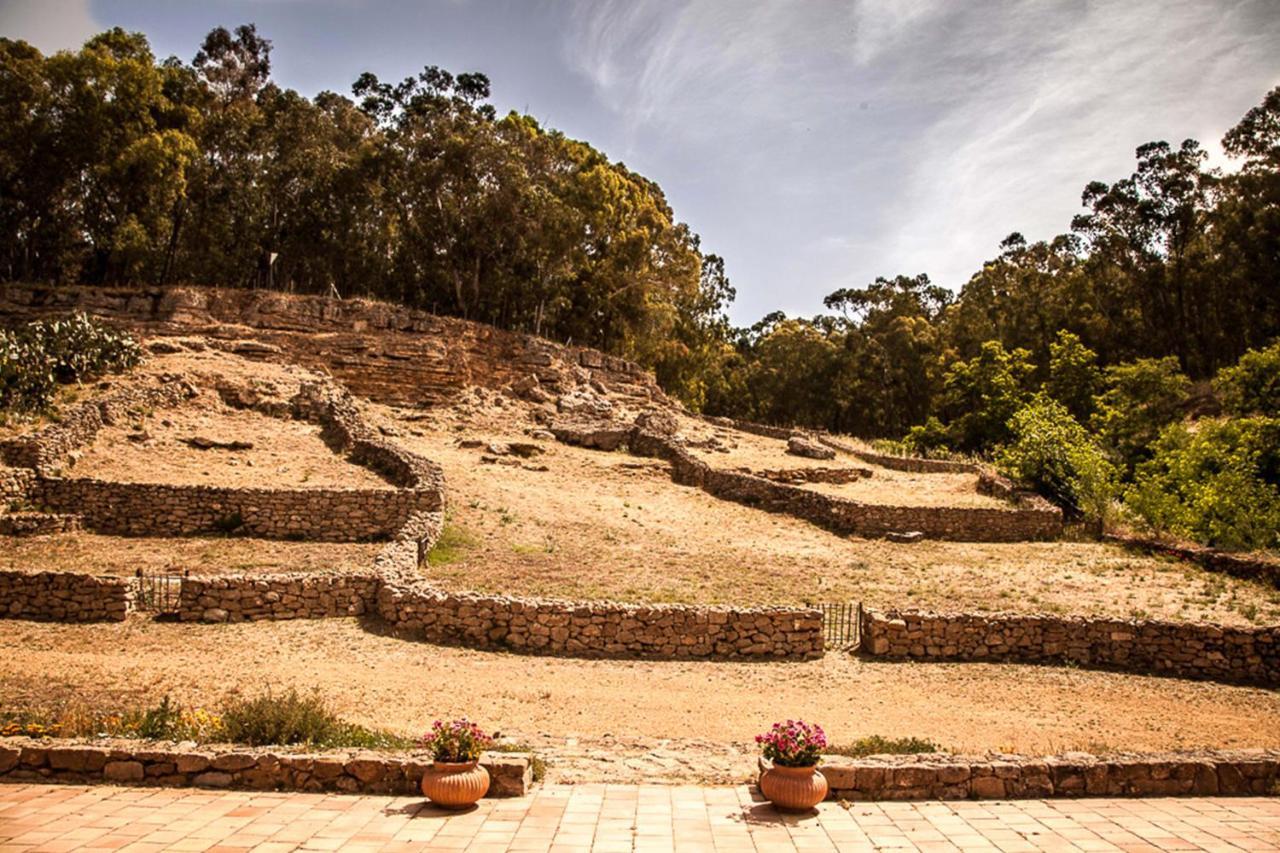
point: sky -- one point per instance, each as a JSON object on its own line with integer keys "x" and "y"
{"x": 814, "y": 144}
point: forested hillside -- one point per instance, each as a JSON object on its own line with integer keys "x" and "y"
{"x": 116, "y": 168}
{"x": 1075, "y": 362}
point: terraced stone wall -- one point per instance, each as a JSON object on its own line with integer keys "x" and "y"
{"x": 1186, "y": 649}
{"x": 15, "y": 486}
{"x": 157, "y": 509}
{"x": 288, "y": 596}
{"x": 64, "y": 597}
{"x": 910, "y": 464}
{"x": 1247, "y": 566}
{"x": 46, "y": 449}
{"x": 601, "y": 629}
{"x": 1036, "y": 519}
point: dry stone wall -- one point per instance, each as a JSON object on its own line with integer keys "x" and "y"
{"x": 1236, "y": 565}
{"x": 123, "y": 762}
{"x": 47, "y": 448}
{"x": 1036, "y": 520}
{"x": 957, "y": 777}
{"x": 910, "y": 464}
{"x": 37, "y": 523}
{"x": 64, "y": 597}
{"x": 1186, "y": 649}
{"x": 288, "y": 596}
{"x": 15, "y": 486}
{"x": 155, "y": 509}
{"x": 601, "y": 629}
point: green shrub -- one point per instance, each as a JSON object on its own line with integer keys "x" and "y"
{"x": 27, "y": 380}
{"x": 35, "y": 358}
{"x": 1217, "y": 483}
{"x": 292, "y": 718}
{"x": 1074, "y": 375}
{"x": 877, "y": 745}
{"x": 982, "y": 394}
{"x": 161, "y": 722}
{"x": 1252, "y": 385}
{"x": 1053, "y": 453}
{"x": 1142, "y": 398}
{"x": 928, "y": 439}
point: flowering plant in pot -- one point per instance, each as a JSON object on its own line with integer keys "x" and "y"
{"x": 791, "y": 780}
{"x": 455, "y": 778}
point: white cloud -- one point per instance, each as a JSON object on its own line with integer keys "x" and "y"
{"x": 914, "y": 133}
{"x": 50, "y": 25}
{"x": 1015, "y": 153}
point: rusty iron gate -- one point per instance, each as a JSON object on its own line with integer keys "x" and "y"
{"x": 842, "y": 625}
{"x": 159, "y": 593}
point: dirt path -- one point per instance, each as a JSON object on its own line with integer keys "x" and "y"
{"x": 628, "y": 720}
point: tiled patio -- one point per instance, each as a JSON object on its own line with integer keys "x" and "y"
{"x": 608, "y": 818}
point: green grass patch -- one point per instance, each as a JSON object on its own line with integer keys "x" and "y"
{"x": 452, "y": 545}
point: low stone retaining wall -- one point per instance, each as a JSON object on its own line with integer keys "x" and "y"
{"x": 910, "y": 464}
{"x": 1036, "y": 520}
{"x": 601, "y": 629}
{"x": 1236, "y": 565}
{"x": 15, "y": 486}
{"x": 810, "y": 475}
{"x": 1187, "y": 649}
{"x": 957, "y": 777}
{"x": 123, "y": 762}
{"x": 290, "y": 596}
{"x": 37, "y": 523}
{"x": 764, "y": 430}
{"x": 160, "y": 509}
{"x": 45, "y": 449}
{"x": 65, "y": 597}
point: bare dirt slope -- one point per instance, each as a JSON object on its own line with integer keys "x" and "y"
{"x": 625, "y": 720}
{"x": 610, "y": 525}
{"x": 162, "y": 447}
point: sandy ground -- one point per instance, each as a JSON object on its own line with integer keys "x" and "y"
{"x": 119, "y": 555}
{"x": 284, "y": 453}
{"x": 609, "y": 525}
{"x": 605, "y": 717}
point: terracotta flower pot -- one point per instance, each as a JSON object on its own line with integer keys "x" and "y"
{"x": 455, "y": 786}
{"x": 793, "y": 789}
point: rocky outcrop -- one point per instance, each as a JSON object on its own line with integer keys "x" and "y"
{"x": 798, "y": 445}
{"x": 388, "y": 353}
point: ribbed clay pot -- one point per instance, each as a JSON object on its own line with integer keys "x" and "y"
{"x": 793, "y": 789}
{"x": 455, "y": 786}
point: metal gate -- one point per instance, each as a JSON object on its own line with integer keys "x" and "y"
{"x": 159, "y": 593}
{"x": 842, "y": 625}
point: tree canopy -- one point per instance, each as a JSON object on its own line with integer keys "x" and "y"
{"x": 118, "y": 169}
